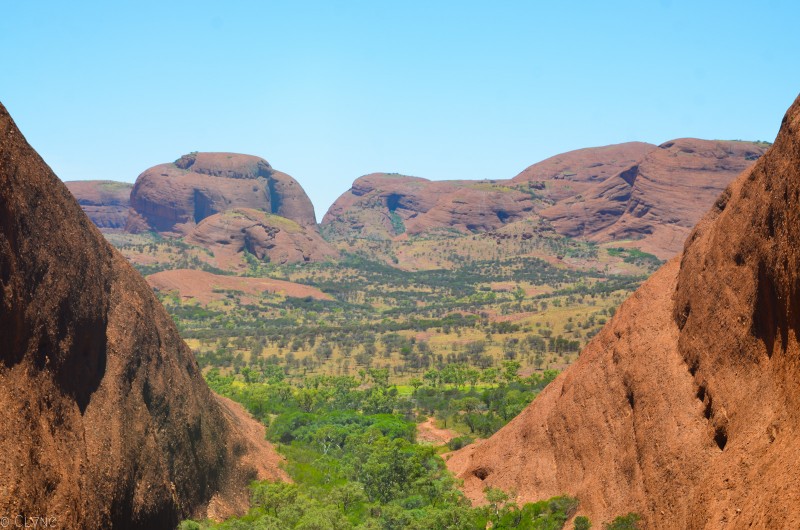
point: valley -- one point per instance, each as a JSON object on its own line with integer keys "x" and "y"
{"x": 422, "y": 316}
{"x": 399, "y": 265}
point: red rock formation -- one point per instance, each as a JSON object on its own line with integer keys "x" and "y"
{"x": 105, "y": 202}
{"x": 657, "y": 200}
{"x": 571, "y": 173}
{"x": 266, "y": 236}
{"x": 173, "y": 198}
{"x": 382, "y": 206}
{"x": 378, "y": 205}
{"x": 685, "y": 407}
{"x": 474, "y": 207}
{"x": 647, "y": 196}
{"x": 106, "y": 419}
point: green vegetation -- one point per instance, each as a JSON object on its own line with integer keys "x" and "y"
{"x": 406, "y": 322}
{"x": 446, "y": 332}
{"x": 352, "y": 453}
{"x": 582, "y": 522}
{"x": 397, "y": 223}
{"x": 625, "y": 522}
{"x": 635, "y": 256}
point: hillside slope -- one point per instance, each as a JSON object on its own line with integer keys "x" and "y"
{"x": 685, "y": 407}
{"x": 107, "y": 421}
{"x": 173, "y": 198}
{"x": 106, "y": 202}
{"x": 657, "y": 200}
{"x": 266, "y": 236}
{"x": 638, "y": 194}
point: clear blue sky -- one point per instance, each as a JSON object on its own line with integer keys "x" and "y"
{"x": 328, "y": 91}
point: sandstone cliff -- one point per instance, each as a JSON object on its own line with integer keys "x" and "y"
{"x": 174, "y": 198}
{"x": 268, "y": 237}
{"x": 105, "y": 202}
{"x": 685, "y": 407}
{"x": 106, "y": 419}
{"x": 658, "y": 199}
{"x": 382, "y": 206}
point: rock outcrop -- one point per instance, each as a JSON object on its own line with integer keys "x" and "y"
{"x": 382, "y": 206}
{"x": 685, "y": 407}
{"x": 266, "y": 236}
{"x": 657, "y": 200}
{"x": 174, "y": 198}
{"x": 571, "y": 173}
{"x": 106, "y": 419}
{"x": 648, "y": 196}
{"x": 106, "y": 202}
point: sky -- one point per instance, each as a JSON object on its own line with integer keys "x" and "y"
{"x": 329, "y": 91}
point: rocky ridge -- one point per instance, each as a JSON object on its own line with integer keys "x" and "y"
{"x": 684, "y": 407}
{"x": 106, "y": 202}
{"x": 641, "y": 194}
{"x": 174, "y": 198}
{"x": 657, "y": 200}
{"x": 107, "y": 420}
{"x": 266, "y": 236}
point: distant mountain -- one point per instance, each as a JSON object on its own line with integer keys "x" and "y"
{"x": 382, "y": 206}
{"x": 571, "y": 173}
{"x": 173, "y": 198}
{"x": 639, "y": 194}
{"x": 105, "y": 202}
{"x": 657, "y": 200}
{"x": 107, "y": 421}
{"x": 266, "y": 236}
{"x": 684, "y": 407}
{"x": 225, "y": 202}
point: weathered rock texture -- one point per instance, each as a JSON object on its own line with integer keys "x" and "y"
{"x": 382, "y": 206}
{"x": 106, "y": 419}
{"x": 105, "y": 202}
{"x": 685, "y": 408}
{"x": 571, "y": 173}
{"x": 658, "y": 199}
{"x": 174, "y": 198}
{"x": 649, "y": 196}
{"x": 266, "y": 236}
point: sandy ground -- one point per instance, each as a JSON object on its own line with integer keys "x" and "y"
{"x": 427, "y": 431}
{"x": 200, "y": 285}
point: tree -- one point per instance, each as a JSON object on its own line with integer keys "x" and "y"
{"x": 625, "y": 522}
{"x": 519, "y": 295}
{"x": 496, "y": 498}
{"x": 432, "y": 377}
{"x": 274, "y": 496}
{"x": 510, "y": 369}
{"x": 473, "y": 376}
{"x": 347, "y": 495}
{"x": 582, "y": 523}
{"x": 489, "y": 376}
{"x": 379, "y": 376}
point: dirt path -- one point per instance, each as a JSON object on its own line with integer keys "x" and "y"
{"x": 427, "y": 431}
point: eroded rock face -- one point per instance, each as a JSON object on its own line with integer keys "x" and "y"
{"x": 266, "y": 236}
{"x": 658, "y": 199}
{"x": 570, "y": 174}
{"x": 105, "y": 202}
{"x": 174, "y": 198}
{"x": 107, "y": 421}
{"x": 684, "y": 407}
{"x": 648, "y": 196}
{"x": 383, "y": 206}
